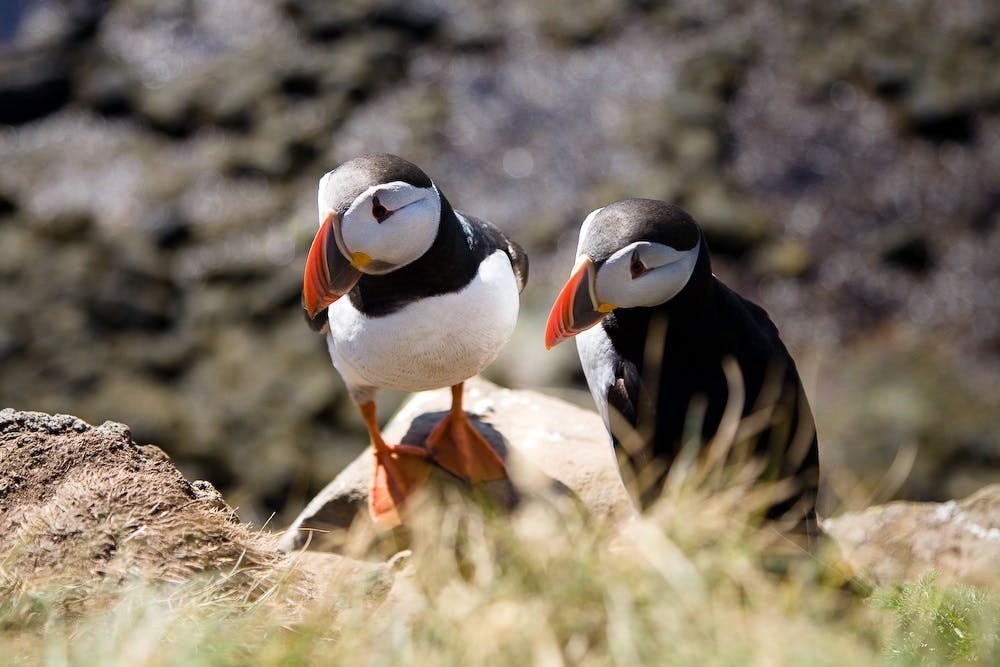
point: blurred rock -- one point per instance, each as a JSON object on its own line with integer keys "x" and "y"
{"x": 169, "y": 109}
{"x": 107, "y": 87}
{"x": 33, "y": 85}
{"x": 474, "y": 28}
{"x": 571, "y": 24}
{"x": 7, "y": 206}
{"x": 941, "y": 125}
{"x": 960, "y": 540}
{"x": 910, "y": 251}
{"x": 66, "y": 225}
{"x": 732, "y": 225}
{"x": 168, "y": 227}
{"x": 325, "y": 21}
{"x": 133, "y": 298}
{"x": 718, "y": 72}
{"x": 784, "y": 258}
{"x": 549, "y": 446}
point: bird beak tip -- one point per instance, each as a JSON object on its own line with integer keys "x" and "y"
{"x": 575, "y": 310}
{"x": 328, "y": 274}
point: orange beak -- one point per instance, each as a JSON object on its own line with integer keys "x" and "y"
{"x": 329, "y": 275}
{"x": 577, "y": 307}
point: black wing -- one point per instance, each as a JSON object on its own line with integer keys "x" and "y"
{"x": 492, "y": 234}
{"x": 623, "y": 395}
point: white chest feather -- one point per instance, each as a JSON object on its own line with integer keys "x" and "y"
{"x": 597, "y": 359}
{"x": 434, "y": 342}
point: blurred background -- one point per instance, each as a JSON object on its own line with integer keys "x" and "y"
{"x": 159, "y": 159}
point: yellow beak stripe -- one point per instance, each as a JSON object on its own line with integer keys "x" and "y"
{"x": 360, "y": 260}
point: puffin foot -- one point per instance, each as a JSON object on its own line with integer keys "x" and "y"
{"x": 459, "y": 448}
{"x": 409, "y": 450}
{"x": 397, "y": 474}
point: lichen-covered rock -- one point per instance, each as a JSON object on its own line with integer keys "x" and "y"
{"x": 900, "y": 541}
{"x": 549, "y": 446}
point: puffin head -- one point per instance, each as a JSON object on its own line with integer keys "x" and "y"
{"x": 377, "y": 213}
{"x": 633, "y": 253}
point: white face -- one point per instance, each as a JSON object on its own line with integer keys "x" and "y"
{"x": 644, "y": 274}
{"x": 389, "y": 225}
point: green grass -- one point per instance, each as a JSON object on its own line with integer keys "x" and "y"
{"x": 935, "y": 625}
{"x": 695, "y": 582}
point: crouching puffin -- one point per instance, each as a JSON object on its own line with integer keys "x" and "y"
{"x": 432, "y": 298}
{"x": 655, "y": 330}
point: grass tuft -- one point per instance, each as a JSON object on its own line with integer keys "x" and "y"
{"x": 937, "y": 625}
{"x": 695, "y": 580}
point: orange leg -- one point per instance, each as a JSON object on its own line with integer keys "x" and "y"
{"x": 399, "y": 469}
{"x": 459, "y": 448}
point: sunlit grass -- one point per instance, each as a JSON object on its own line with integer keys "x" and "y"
{"x": 936, "y": 625}
{"x": 696, "y": 581}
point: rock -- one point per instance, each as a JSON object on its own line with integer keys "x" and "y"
{"x": 549, "y": 446}
{"x": 32, "y": 86}
{"x": 909, "y": 251}
{"x": 325, "y": 21}
{"x": 578, "y": 25}
{"x": 8, "y": 206}
{"x": 106, "y": 87}
{"x": 785, "y": 258}
{"x": 64, "y": 226}
{"x": 87, "y": 505}
{"x": 731, "y": 223}
{"x": 168, "y": 109}
{"x": 902, "y": 540}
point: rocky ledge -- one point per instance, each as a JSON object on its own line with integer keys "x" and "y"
{"x": 900, "y": 541}
{"x": 87, "y": 505}
{"x": 551, "y": 448}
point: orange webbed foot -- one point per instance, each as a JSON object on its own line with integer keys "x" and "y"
{"x": 395, "y": 478}
{"x": 398, "y": 471}
{"x": 459, "y": 448}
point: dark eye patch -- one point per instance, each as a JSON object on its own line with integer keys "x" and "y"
{"x": 379, "y": 212}
{"x": 636, "y": 267}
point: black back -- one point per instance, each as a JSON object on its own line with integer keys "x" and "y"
{"x": 701, "y": 327}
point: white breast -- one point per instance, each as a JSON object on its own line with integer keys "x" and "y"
{"x": 597, "y": 358}
{"x": 435, "y": 342}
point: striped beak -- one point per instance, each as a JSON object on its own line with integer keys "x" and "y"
{"x": 329, "y": 274}
{"x": 577, "y": 307}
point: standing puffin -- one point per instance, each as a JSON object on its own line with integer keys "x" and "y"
{"x": 655, "y": 330}
{"x": 432, "y": 298}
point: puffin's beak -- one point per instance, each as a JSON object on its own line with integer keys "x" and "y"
{"x": 577, "y": 307}
{"x": 329, "y": 274}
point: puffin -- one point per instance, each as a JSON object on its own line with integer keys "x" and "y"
{"x": 660, "y": 337}
{"x": 412, "y": 295}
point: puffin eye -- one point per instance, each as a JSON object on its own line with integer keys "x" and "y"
{"x": 379, "y": 212}
{"x": 636, "y": 266}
